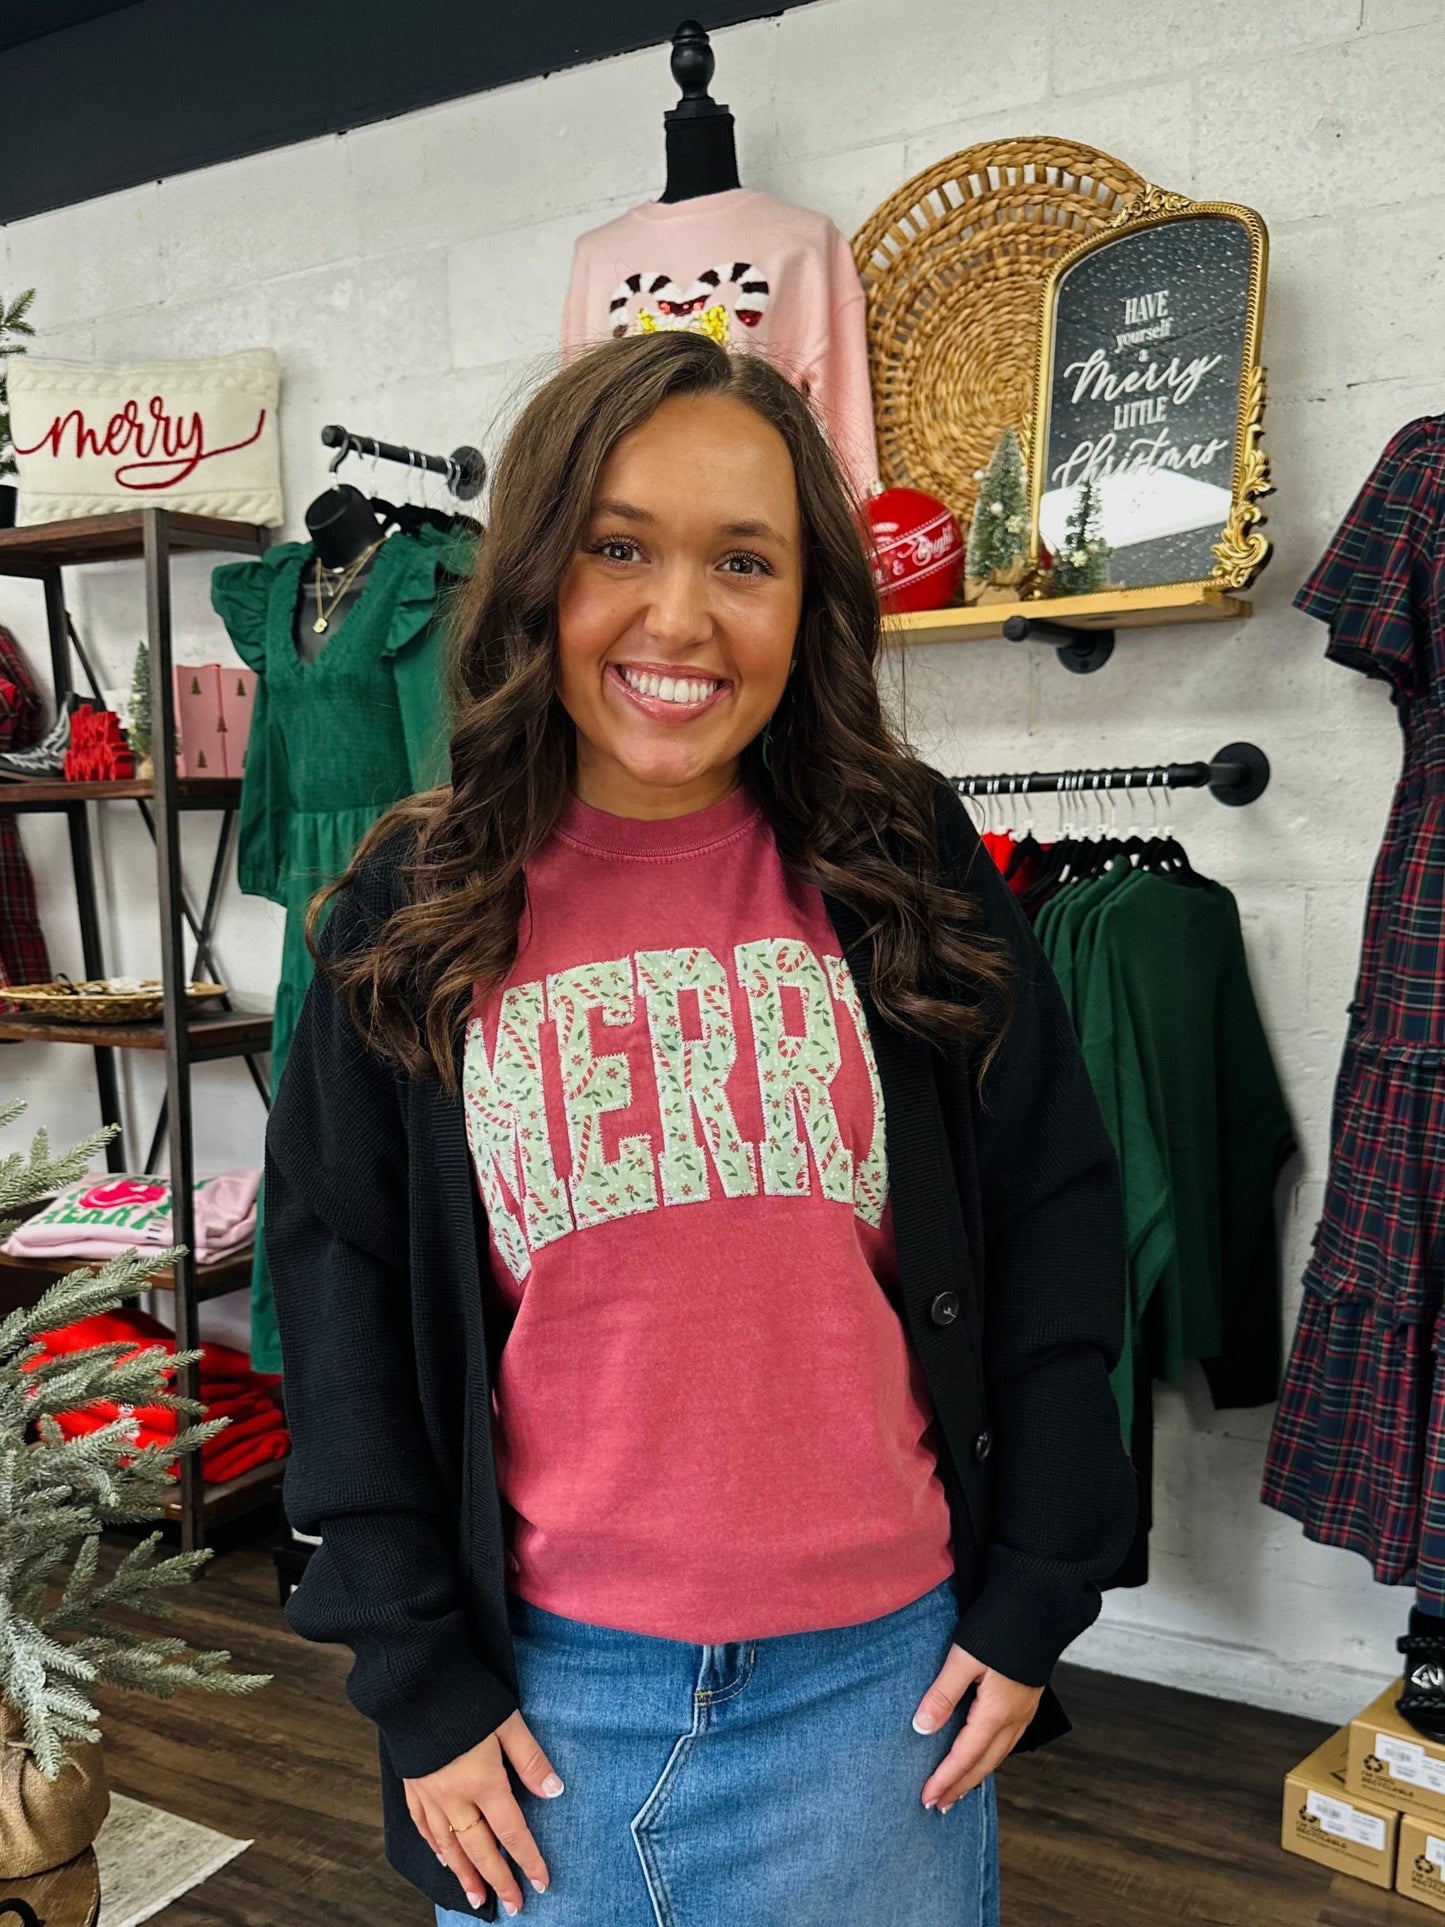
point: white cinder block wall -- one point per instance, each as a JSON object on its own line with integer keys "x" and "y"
{"x": 411, "y": 276}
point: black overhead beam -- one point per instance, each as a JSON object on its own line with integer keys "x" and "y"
{"x": 103, "y": 94}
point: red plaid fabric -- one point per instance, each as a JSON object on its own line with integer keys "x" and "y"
{"x": 24, "y": 958}
{"x": 1357, "y": 1453}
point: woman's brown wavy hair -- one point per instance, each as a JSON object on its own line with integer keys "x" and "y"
{"x": 851, "y": 808}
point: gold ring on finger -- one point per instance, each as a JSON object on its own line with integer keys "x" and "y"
{"x": 470, "y": 1823}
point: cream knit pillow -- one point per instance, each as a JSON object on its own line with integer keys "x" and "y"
{"x": 195, "y": 435}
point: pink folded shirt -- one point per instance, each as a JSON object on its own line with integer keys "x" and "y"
{"x": 107, "y": 1212}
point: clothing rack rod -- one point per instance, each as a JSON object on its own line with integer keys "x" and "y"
{"x": 1236, "y": 774}
{"x": 465, "y": 468}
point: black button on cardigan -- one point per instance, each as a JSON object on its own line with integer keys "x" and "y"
{"x": 1006, "y": 1206}
{"x": 944, "y": 1308}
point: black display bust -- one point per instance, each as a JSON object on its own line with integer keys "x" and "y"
{"x": 342, "y": 525}
{"x": 701, "y": 152}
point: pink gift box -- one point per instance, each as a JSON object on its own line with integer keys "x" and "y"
{"x": 200, "y": 739}
{"x": 238, "y": 697}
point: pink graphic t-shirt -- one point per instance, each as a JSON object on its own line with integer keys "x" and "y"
{"x": 753, "y": 272}
{"x": 709, "y": 1423}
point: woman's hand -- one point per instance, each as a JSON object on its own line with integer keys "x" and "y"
{"x": 1001, "y": 1709}
{"x": 467, "y": 1812}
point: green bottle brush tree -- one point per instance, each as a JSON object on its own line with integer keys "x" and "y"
{"x": 15, "y": 332}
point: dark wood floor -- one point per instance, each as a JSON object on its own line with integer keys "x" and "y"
{"x": 1161, "y": 1807}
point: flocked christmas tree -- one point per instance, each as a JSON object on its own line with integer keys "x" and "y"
{"x": 1082, "y": 564}
{"x": 138, "y": 726}
{"x": 998, "y": 535}
{"x": 57, "y": 1495}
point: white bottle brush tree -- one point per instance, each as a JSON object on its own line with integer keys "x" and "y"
{"x": 998, "y": 536}
{"x": 57, "y": 1495}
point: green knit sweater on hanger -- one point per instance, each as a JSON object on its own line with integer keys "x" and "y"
{"x": 333, "y": 743}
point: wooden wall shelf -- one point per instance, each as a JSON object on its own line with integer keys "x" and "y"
{"x": 116, "y": 538}
{"x": 192, "y": 793}
{"x": 23, "y": 1281}
{"x": 228, "y": 1033}
{"x": 235, "y": 1496}
{"x": 1122, "y": 609}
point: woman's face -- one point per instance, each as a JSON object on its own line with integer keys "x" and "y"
{"x": 678, "y": 614}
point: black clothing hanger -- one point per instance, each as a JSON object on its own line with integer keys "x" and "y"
{"x": 701, "y": 152}
{"x": 408, "y": 517}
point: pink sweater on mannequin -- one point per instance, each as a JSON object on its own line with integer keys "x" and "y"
{"x": 754, "y": 273}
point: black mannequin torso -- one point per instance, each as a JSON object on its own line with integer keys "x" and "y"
{"x": 701, "y": 153}
{"x": 342, "y": 526}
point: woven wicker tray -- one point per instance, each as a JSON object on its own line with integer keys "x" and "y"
{"x": 91, "y": 1002}
{"x": 953, "y": 265}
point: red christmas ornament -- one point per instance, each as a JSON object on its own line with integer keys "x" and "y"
{"x": 918, "y": 550}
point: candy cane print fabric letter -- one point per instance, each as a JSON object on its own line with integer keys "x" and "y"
{"x": 507, "y": 1128}
{"x": 795, "y": 1066}
{"x": 694, "y": 1071}
{"x": 870, "y": 1182}
{"x": 592, "y": 1084}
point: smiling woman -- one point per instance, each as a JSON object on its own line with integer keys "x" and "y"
{"x": 628, "y": 1183}
{"x": 665, "y": 509}
{"x": 675, "y": 641}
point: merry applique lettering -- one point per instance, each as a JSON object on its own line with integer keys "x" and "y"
{"x": 795, "y": 1001}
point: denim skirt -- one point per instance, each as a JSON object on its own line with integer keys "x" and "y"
{"x": 764, "y": 1783}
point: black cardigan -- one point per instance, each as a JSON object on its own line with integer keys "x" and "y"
{"x": 1010, "y": 1244}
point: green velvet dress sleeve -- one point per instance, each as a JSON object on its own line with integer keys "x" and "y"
{"x": 417, "y": 651}
{"x": 243, "y": 596}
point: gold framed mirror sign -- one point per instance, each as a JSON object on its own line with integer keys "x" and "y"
{"x": 1146, "y": 463}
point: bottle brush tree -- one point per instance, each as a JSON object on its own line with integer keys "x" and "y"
{"x": 15, "y": 332}
{"x": 1082, "y": 564}
{"x": 998, "y": 535}
{"x": 57, "y": 1495}
{"x": 138, "y": 727}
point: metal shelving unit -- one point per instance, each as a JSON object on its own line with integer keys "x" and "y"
{"x": 150, "y": 536}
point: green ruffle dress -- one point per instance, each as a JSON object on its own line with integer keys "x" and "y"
{"x": 333, "y": 743}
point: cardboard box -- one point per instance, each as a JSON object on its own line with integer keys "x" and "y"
{"x": 1326, "y": 1823}
{"x": 1390, "y": 1762}
{"x": 200, "y": 746}
{"x": 238, "y": 698}
{"x": 1421, "y": 1867}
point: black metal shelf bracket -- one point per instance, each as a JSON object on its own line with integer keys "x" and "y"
{"x": 1080, "y": 650}
{"x": 1238, "y": 774}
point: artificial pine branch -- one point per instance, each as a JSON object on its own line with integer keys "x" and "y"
{"x": 57, "y": 1495}
{"x": 15, "y": 329}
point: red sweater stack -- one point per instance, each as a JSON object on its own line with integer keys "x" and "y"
{"x": 230, "y": 1389}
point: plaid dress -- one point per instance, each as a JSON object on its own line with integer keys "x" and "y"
{"x": 23, "y": 956}
{"x": 1357, "y": 1452}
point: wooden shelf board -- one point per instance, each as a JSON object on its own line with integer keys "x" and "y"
{"x": 1123, "y": 609}
{"x": 115, "y": 538}
{"x": 23, "y": 1280}
{"x": 227, "y": 1501}
{"x": 192, "y": 793}
{"x": 230, "y": 1033}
